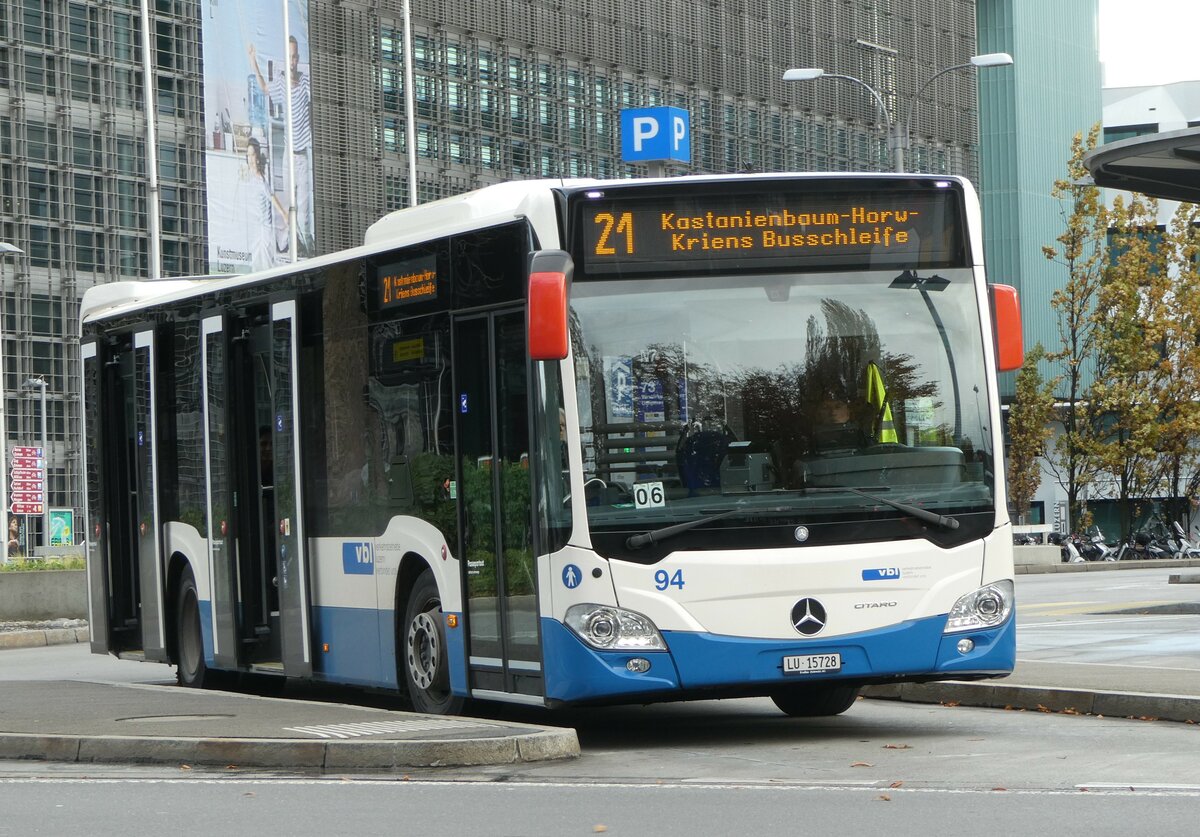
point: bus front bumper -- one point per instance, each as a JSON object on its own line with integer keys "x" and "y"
{"x": 699, "y": 663}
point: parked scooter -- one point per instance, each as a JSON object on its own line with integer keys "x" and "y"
{"x": 1075, "y": 549}
{"x": 1186, "y": 548}
{"x": 1067, "y": 549}
{"x": 1142, "y": 546}
{"x": 1095, "y": 548}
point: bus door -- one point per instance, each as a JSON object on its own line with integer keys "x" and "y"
{"x": 251, "y": 481}
{"x": 218, "y": 458}
{"x": 145, "y": 497}
{"x": 291, "y": 548}
{"x": 98, "y": 576}
{"x": 128, "y": 555}
{"x": 496, "y": 548}
{"x": 118, "y": 515}
{"x": 260, "y": 583}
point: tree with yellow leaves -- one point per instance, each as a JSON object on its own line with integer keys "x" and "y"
{"x": 1029, "y": 418}
{"x": 1082, "y": 251}
{"x": 1130, "y": 318}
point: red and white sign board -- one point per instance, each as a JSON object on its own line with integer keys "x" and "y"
{"x": 27, "y": 508}
{"x": 26, "y": 450}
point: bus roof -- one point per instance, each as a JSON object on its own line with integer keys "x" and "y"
{"x": 487, "y": 206}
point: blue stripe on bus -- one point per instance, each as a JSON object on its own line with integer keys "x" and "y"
{"x": 362, "y": 646}
{"x": 206, "y": 630}
{"x": 575, "y": 672}
{"x": 456, "y": 653}
{"x": 356, "y": 637}
{"x": 915, "y": 647}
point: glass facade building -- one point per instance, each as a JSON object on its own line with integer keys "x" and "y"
{"x": 513, "y": 89}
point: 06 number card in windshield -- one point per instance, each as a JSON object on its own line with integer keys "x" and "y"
{"x": 781, "y": 225}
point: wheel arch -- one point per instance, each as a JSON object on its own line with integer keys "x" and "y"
{"x": 177, "y": 563}
{"x": 411, "y": 567}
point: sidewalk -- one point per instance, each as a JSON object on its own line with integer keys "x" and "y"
{"x": 1112, "y": 691}
{"x": 76, "y": 721}
{"x": 38, "y": 634}
{"x": 1168, "y": 694}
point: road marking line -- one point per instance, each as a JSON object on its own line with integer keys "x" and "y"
{"x": 1101, "y": 665}
{"x": 1102, "y": 621}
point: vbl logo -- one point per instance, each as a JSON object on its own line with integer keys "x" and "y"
{"x": 358, "y": 558}
{"x": 881, "y": 574}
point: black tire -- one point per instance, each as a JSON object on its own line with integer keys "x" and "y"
{"x": 815, "y": 700}
{"x": 191, "y": 670}
{"x": 421, "y": 657}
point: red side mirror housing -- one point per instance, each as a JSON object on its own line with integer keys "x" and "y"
{"x": 546, "y": 314}
{"x": 1006, "y": 321}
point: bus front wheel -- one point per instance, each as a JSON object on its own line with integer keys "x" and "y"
{"x": 191, "y": 669}
{"x": 815, "y": 701}
{"x": 422, "y": 650}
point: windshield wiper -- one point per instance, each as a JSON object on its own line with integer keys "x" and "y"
{"x": 915, "y": 511}
{"x": 656, "y": 535}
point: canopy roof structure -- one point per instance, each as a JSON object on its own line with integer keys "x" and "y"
{"x": 1163, "y": 165}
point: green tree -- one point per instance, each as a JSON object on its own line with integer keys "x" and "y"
{"x": 1082, "y": 251}
{"x": 1029, "y": 418}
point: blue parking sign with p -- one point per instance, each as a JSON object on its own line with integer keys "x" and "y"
{"x": 651, "y": 134}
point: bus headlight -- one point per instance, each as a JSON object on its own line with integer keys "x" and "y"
{"x": 986, "y": 607}
{"x": 613, "y": 628}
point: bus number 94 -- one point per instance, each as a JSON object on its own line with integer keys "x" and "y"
{"x": 622, "y": 225}
{"x": 663, "y": 579}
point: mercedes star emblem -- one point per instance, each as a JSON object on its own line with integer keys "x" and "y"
{"x": 808, "y": 617}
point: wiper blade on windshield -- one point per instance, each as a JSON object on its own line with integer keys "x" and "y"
{"x": 915, "y": 511}
{"x": 656, "y": 535}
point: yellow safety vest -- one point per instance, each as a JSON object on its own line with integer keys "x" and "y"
{"x": 877, "y": 397}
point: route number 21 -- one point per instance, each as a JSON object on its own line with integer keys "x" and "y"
{"x": 621, "y": 225}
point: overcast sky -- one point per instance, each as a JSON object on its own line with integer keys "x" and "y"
{"x": 1145, "y": 42}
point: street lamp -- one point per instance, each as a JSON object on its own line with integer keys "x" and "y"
{"x": 897, "y": 134}
{"x": 31, "y": 384}
{"x": 6, "y": 249}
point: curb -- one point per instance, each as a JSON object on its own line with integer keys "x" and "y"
{"x": 1045, "y": 699}
{"x": 38, "y": 639}
{"x": 1104, "y": 566}
{"x": 543, "y": 745}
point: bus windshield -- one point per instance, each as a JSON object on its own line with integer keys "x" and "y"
{"x": 780, "y": 401}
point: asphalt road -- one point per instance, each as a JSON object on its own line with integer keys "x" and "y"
{"x": 710, "y": 767}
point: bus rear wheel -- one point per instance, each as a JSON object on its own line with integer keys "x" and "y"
{"x": 191, "y": 670}
{"x": 815, "y": 701}
{"x": 424, "y": 662}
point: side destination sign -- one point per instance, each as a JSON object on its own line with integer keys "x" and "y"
{"x": 783, "y": 225}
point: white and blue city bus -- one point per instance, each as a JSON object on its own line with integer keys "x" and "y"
{"x": 563, "y": 442}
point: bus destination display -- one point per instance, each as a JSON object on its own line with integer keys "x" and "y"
{"x": 875, "y": 229}
{"x": 413, "y": 280}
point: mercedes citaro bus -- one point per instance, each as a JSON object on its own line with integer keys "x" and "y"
{"x": 563, "y": 442}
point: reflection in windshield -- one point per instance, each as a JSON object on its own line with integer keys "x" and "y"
{"x": 757, "y": 389}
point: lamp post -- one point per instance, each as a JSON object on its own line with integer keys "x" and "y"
{"x": 898, "y": 134}
{"x": 6, "y": 249}
{"x": 40, "y": 383}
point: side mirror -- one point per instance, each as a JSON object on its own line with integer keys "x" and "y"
{"x": 1006, "y": 322}
{"x": 546, "y": 318}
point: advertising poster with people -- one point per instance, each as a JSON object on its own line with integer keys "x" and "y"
{"x": 252, "y": 64}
